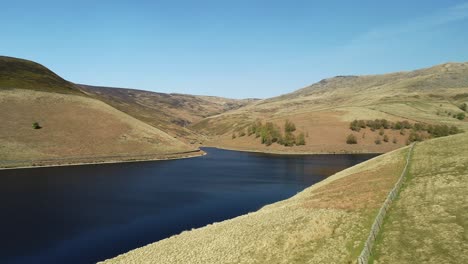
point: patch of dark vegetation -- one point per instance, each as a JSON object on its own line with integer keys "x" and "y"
{"x": 24, "y": 74}
{"x": 351, "y": 139}
{"x": 460, "y": 96}
{"x": 418, "y": 131}
{"x": 181, "y": 122}
{"x": 463, "y": 107}
{"x": 436, "y": 96}
{"x": 36, "y": 125}
{"x": 270, "y": 133}
{"x": 460, "y": 116}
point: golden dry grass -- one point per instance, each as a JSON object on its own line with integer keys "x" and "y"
{"x": 72, "y": 126}
{"x": 428, "y": 223}
{"x": 326, "y": 223}
{"x": 326, "y": 132}
{"x": 324, "y": 110}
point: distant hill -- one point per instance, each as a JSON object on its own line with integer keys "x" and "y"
{"x": 90, "y": 120}
{"x": 324, "y": 110}
{"x": 74, "y": 127}
{"x": 24, "y": 74}
{"x": 172, "y": 113}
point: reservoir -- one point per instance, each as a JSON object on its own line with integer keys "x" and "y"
{"x": 89, "y": 213}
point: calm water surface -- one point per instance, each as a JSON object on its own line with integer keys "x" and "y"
{"x": 84, "y": 214}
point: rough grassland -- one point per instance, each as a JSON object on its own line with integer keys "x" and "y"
{"x": 429, "y": 221}
{"x": 323, "y": 110}
{"x": 326, "y": 223}
{"x": 72, "y": 127}
{"x": 24, "y": 74}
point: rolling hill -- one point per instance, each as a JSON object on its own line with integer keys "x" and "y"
{"x": 324, "y": 110}
{"x": 172, "y": 113}
{"x": 24, "y": 74}
{"x": 74, "y": 127}
{"x": 321, "y": 112}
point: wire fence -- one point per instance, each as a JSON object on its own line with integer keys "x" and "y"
{"x": 377, "y": 225}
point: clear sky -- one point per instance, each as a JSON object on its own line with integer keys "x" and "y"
{"x": 237, "y": 48}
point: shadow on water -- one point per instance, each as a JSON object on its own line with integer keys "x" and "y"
{"x": 84, "y": 214}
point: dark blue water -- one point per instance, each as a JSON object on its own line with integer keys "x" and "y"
{"x": 84, "y": 214}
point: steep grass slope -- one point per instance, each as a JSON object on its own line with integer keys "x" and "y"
{"x": 429, "y": 221}
{"x": 24, "y": 74}
{"x": 74, "y": 126}
{"x": 172, "y": 113}
{"x": 323, "y": 110}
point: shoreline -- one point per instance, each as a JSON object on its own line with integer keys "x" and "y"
{"x": 161, "y": 157}
{"x": 295, "y": 153}
{"x": 169, "y": 156}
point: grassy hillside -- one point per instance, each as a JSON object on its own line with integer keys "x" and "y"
{"x": 73, "y": 126}
{"x": 323, "y": 111}
{"x": 429, "y": 221}
{"x": 329, "y": 222}
{"x": 172, "y": 113}
{"x": 24, "y": 74}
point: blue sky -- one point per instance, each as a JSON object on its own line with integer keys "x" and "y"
{"x": 233, "y": 48}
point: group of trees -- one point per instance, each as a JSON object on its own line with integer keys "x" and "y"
{"x": 357, "y": 125}
{"x": 270, "y": 133}
{"x": 418, "y": 131}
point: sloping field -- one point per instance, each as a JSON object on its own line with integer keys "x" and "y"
{"x": 326, "y": 223}
{"x": 428, "y": 223}
{"x": 72, "y": 127}
{"x": 323, "y": 110}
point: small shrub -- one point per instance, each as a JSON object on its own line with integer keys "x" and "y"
{"x": 289, "y": 140}
{"x": 289, "y": 126}
{"x": 414, "y": 136}
{"x": 460, "y": 116}
{"x": 464, "y": 107}
{"x": 242, "y": 133}
{"x": 385, "y": 138}
{"x": 354, "y": 126}
{"x": 394, "y": 141}
{"x": 233, "y": 135}
{"x": 351, "y": 139}
{"x": 454, "y": 130}
{"x": 36, "y": 125}
{"x": 300, "y": 140}
{"x": 378, "y": 141}
{"x": 381, "y": 131}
